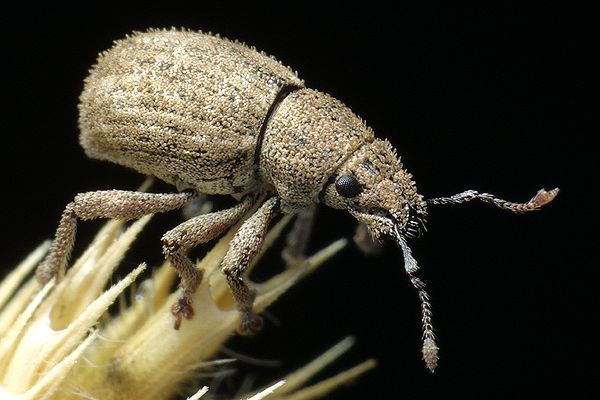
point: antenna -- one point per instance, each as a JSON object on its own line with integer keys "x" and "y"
{"x": 541, "y": 198}
{"x": 430, "y": 349}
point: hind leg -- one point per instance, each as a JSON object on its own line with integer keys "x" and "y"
{"x": 117, "y": 204}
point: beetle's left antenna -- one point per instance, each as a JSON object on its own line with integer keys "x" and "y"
{"x": 430, "y": 349}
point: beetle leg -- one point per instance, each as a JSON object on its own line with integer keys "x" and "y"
{"x": 244, "y": 246}
{"x": 297, "y": 238}
{"x": 118, "y": 204}
{"x": 190, "y": 233}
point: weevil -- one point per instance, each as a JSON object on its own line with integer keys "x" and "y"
{"x": 214, "y": 116}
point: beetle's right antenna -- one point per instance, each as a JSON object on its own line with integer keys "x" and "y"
{"x": 541, "y": 198}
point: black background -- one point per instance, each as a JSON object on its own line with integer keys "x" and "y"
{"x": 488, "y": 98}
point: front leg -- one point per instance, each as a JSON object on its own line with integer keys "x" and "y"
{"x": 366, "y": 242}
{"x": 244, "y": 246}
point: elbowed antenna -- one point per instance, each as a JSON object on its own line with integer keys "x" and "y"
{"x": 430, "y": 349}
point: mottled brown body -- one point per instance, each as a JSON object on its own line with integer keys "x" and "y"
{"x": 214, "y": 116}
{"x": 185, "y": 107}
{"x": 203, "y": 112}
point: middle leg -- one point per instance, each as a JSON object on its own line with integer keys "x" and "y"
{"x": 190, "y": 233}
{"x": 244, "y": 246}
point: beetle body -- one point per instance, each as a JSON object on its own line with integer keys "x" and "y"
{"x": 214, "y": 116}
{"x": 185, "y": 107}
{"x": 199, "y": 111}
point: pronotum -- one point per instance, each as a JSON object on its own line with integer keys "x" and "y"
{"x": 213, "y": 116}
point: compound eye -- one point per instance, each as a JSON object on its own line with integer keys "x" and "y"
{"x": 348, "y": 186}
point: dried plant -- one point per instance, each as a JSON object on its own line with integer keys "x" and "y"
{"x": 60, "y": 341}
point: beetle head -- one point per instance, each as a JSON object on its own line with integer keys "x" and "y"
{"x": 372, "y": 185}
